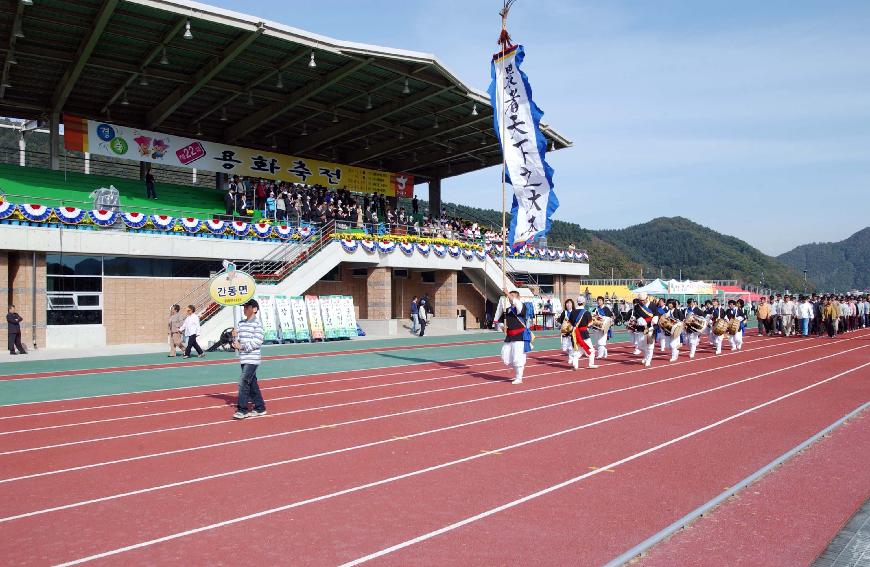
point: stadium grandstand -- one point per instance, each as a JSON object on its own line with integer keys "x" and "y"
{"x": 104, "y": 96}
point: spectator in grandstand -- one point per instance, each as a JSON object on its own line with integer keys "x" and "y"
{"x": 176, "y": 320}
{"x": 271, "y": 206}
{"x": 415, "y": 318}
{"x": 13, "y": 326}
{"x": 247, "y": 340}
{"x": 260, "y": 195}
{"x": 191, "y": 329}
{"x": 229, "y": 202}
{"x": 241, "y": 204}
{"x": 150, "y": 191}
{"x": 281, "y": 205}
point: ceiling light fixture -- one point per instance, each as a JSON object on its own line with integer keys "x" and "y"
{"x": 124, "y": 101}
{"x": 401, "y": 135}
{"x": 311, "y": 62}
{"x": 280, "y": 83}
{"x": 163, "y": 59}
{"x": 369, "y": 102}
{"x": 274, "y": 142}
{"x": 334, "y": 117}
{"x": 250, "y": 98}
{"x": 27, "y": 2}
{"x": 198, "y": 129}
{"x": 224, "y": 114}
{"x": 483, "y": 139}
{"x": 187, "y": 33}
{"x": 406, "y": 89}
{"x": 367, "y": 143}
{"x": 474, "y": 110}
{"x": 143, "y": 80}
{"x": 18, "y": 32}
{"x": 12, "y": 60}
{"x": 435, "y": 125}
{"x": 304, "y": 129}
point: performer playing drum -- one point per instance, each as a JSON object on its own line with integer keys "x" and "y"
{"x": 600, "y": 328}
{"x": 716, "y": 313}
{"x": 735, "y": 316}
{"x": 513, "y": 352}
{"x": 695, "y": 324}
{"x": 672, "y": 327}
{"x": 568, "y": 321}
{"x": 644, "y": 320}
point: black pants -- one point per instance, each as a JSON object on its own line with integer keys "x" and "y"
{"x": 422, "y": 327}
{"x": 191, "y": 343}
{"x": 829, "y": 325}
{"x": 15, "y": 342}
{"x": 150, "y": 192}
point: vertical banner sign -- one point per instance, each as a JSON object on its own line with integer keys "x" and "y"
{"x": 312, "y": 305}
{"x": 328, "y": 316}
{"x": 518, "y": 119}
{"x": 351, "y": 316}
{"x": 340, "y": 323}
{"x": 300, "y": 321}
{"x": 267, "y": 317}
{"x": 285, "y": 318}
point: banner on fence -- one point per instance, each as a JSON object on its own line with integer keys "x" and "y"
{"x": 312, "y": 305}
{"x": 268, "y": 318}
{"x": 300, "y": 320}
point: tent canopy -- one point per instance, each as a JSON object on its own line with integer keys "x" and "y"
{"x": 656, "y": 287}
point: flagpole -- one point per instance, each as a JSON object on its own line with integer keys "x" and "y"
{"x": 503, "y": 39}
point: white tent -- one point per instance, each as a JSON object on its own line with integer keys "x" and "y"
{"x": 655, "y": 287}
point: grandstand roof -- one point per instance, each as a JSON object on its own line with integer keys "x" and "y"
{"x": 90, "y": 57}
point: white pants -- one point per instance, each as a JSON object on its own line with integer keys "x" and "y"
{"x": 717, "y": 342}
{"x": 599, "y": 339}
{"x": 674, "y": 345}
{"x": 736, "y": 340}
{"x": 694, "y": 339}
{"x": 513, "y": 355}
{"x": 640, "y": 342}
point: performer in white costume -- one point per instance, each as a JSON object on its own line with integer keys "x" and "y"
{"x": 733, "y": 312}
{"x": 567, "y": 321}
{"x": 513, "y": 351}
{"x": 693, "y": 335}
{"x": 600, "y": 336}
{"x": 645, "y": 319}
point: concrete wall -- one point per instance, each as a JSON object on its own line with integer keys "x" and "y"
{"x": 136, "y": 310}
{"x": 472, "y": 301}
{"x": 349, "y": 285}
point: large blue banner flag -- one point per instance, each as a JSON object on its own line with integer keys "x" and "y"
{"x": 517, "y": 122}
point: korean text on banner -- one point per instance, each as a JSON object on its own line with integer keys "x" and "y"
{"x": 285, "y": 318}
{"x": 328, "y": 315}
{"x": 312, "y": 305}
{"x": 112, "y": 140}
{"x": 518, "y": 119}
{"x": 350, "y": 316}
{"x": 267, "y": 317}
{"x": 300, "y": 320}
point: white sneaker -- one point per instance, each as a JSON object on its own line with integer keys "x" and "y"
{"x": 255, "y": 413}
{"x": 636, "y": 351}
{"x": 517, "y": 381}
{"x": 240, "y": 415}
{"x": 691, "y": 356}
{"x": 592, "y": 366}
{"x": 673, "y": 359}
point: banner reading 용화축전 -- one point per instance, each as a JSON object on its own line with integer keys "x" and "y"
{"x": 112, "y": 140}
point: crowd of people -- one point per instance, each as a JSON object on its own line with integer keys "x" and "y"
{"x": 815, "y": 314}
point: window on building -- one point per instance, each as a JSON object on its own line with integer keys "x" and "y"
{"x": 360, "y": 272}
{"x": 427, "y": 277}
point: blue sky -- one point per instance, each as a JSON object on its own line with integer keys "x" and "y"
{"x": 752, "y": 118}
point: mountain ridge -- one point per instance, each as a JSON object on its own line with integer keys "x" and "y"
{"x": 838, "y": 266}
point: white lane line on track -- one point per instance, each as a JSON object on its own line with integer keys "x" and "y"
{"x": 476, "y": 456}
{"x": 299, "y": 376}
{"x": 584, "y": 476}
{"x": 388, "y": 440}
{"x": 470, "y": 371}
{"x": 331, "y": 406}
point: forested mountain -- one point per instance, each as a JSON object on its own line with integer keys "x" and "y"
{"x": 662, "y": 245}
{"x": 839, "y": 266}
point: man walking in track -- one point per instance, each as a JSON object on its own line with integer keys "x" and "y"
{"x": 248, "y": 339}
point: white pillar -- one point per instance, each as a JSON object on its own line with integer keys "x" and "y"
{"x": 87, "y": 163}
{"x": 194, "y": 176}
{"x": 22, "y": 147}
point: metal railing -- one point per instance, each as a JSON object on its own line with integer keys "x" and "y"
{"x": 272, "y": 268}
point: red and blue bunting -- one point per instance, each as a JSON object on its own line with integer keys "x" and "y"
{"x": 35, "y": 213}
{"x": 191, "y": 224}
{"x": 386, "y": 247}
{"x": 368, "y": 245}
{"x": 102, "y": 217}
{"x": 481, "y": 255}
{"x": 6, "y": 209}
{"x": 134, "y": 219}
{"x": 216, "y": 226}
{"x": 349, "y": 245}
{"x": 468, "y": 253}
{"x": 163, "y": 222}
{"x": 305, "y": 231}
{"x": 262, "y": 229}
{"x": 239, "y": 228}
{"x": 69, "y": 215}
{"x": 454, "y": 251}
{"x": 284, "y": 232}
{"x": 407, "y": 248}
{"x": 424, "y": 248}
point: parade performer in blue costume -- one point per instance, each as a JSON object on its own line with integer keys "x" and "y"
{"x": 517, "y": 340}
{"x": 600, "y": 335}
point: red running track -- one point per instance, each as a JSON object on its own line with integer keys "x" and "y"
{"x": 603, "y": 415}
